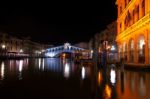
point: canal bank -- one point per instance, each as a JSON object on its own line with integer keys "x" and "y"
{"x": 139, "y": 67}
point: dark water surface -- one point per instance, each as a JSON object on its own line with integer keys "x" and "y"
{"x": 53, "y": 78}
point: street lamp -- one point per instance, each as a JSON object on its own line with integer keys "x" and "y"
{"x": 3, "y": 46}
{"x": 21, "y": 50}
{"x": 113, "y": 48}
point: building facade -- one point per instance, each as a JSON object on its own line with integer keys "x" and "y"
{"x": 133, "y": 30}
{"x": 106, "y": 41}
{"x": 11, "y": 46}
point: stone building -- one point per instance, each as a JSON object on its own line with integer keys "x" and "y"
{"x": 13, "y": 46}
{"x": 133, "y": 30}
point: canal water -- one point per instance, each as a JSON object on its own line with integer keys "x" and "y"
{"x": 53, "y": 78}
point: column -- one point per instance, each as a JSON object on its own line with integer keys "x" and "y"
{"x": 135, "y": 49}
{"x": 147, "y": 6}
{"x": 146, "y": 47}
{"x": 140, "y": 9}
{"x": 128, "y": 49}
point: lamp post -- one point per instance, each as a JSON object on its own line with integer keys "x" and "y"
{"x": 105, "y": 53}
{"x": 3, "y": 49}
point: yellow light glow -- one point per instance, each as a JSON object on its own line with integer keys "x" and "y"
{"x": 107, "y": 92}
{"x": 99, "y": 78}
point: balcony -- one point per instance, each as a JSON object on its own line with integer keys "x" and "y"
{"x": 139, "y": 24}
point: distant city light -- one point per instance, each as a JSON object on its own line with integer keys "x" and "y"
{"x": 3, "y": 46}
{"x": 42, "y": 50}
{"x": 21, "y": 50}
{"x": 50, "y": 54}
{"x": 108, "y": 47}
{"x": 113, "y": 48}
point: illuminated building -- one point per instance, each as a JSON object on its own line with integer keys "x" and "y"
{"x": 11, "y": 46}
{"x": 133, "y": 30}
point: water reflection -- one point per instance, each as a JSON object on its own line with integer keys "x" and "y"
{"x": 66, "y": 70}
{"x": 134, "y": 85}
{"x": 99, "y": 78}
{"x": 60, "y": 76}
{"x": 52, "y": 64}
{"x": 83, "y": 73}
{"x": 20, "y": 69}
{"x": 122, "y": 82}
{"x": 39, "y": 63}
{"x": 2, "y": 71}
{"x": 112, "y": 76}
{"x": 11, "y": 68}
{"x": 107, "y": 92}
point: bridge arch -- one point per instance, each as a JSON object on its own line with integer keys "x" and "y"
{"x": 66, "y": 48}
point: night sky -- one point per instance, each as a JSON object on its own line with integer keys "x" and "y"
{"x": 57, "y": 24}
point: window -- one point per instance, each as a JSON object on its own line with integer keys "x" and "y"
{"x": 120, "y": 26}
{"x": 137, "y": 12}
{"x": 125, "y": 2}
{"x": 143, "y": 8}
{"x": 120, "y": 9}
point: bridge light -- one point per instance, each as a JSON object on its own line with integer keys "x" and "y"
{"x": 42, "y": 50}
{"x": 91, "y": 51}
{"x": 50, "y": 54}
{"x": 64, "y": 55}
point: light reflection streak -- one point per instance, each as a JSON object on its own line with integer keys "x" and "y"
{"x": 112, "y": 76}
{"x": 83, "y": 72}
{"x": 99, "y": 78}
{"x": 39, "y": 63}
{"x": 20, "y": 69}
{"x": 108, "y": 92}
{"x": 67, "y": 70}
{"x": 2, "y": 70}
{"x": 20, "y": 65}
{"x": 43, "y": 64}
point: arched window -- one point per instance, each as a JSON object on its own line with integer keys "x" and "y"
{"x": 143, "y": 8}
{"x": 141, "y": 49}
{"x": 137, "y": 12}
{"x": 131, "y": 50}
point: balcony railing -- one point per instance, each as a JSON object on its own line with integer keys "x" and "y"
{"x": 140, "y": 23}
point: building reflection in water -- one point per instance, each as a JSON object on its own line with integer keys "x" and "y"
{"x": 142, "y": 88}
{"x": 14, "y": 68}
{"x": 52, "y": 64}
{"x": 134, "y": 85}
{"x": 122, "y": 82}
{"x": 2, "y": 71}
